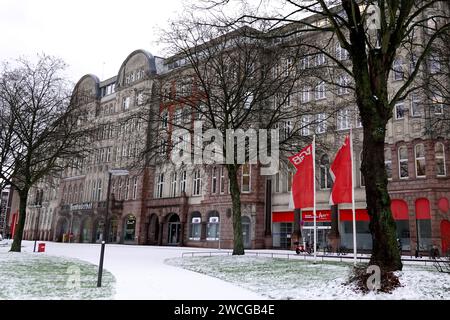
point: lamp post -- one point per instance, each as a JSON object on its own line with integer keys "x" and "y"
{"x": 112, "y": 172}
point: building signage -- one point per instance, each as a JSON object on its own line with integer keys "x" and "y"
{"x": 81, "y": 206}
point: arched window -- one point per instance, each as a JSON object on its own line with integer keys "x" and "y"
{"x": 403, "y": 162}
{"x": 388, "y": 162}
{"x": 439, "y": 153}
{"x": 212, "y": 228}
{"x": 325, "y": 177}
{"x": 196, "y": 226}
{"x": 419, "y": 152}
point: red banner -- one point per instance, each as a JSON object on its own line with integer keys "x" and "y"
{"x": 303, "y": 181}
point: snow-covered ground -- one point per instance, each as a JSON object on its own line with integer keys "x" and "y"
{"x": 160, "y": 273}
{"x": 141, "y": 273}
{"x": 35, "y": 276}
{"x": 298, "y": 279}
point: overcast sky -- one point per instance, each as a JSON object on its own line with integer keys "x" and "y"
{"x": 91, "y": 36}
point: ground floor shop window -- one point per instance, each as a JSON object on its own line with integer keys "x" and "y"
{"x": 424, "y": 234}
{"x": 130, "y": 228}
{"x": 363, "y": 235}
{"x": 403, "y": 236}
{"x": 195, "y": 227}
{"x": 281, "y": 234}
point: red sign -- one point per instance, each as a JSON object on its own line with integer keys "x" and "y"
{"x": 321, "y": 215}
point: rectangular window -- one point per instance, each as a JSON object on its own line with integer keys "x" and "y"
{"x": 174, "y": 182}
{"x": 164, "y": 119}
{"x": 126, "y": 103}
{"x": 321, "y": 123}
{"x": 183, "y": 180}
{"x": 246, "y": 178}
{"x": 415, "y": 105}
{"x": 277, "y": 183}
{"x": 135, "y": 185}
{"x": 140, "y": 99}
{"x": 305, "y": 95}
{"x": 119, "y": 190}
{"x": 160, "y": 186}
{"x": 99, "y": 189}
{"x": 438, "y": 105}
{"x": 127, "y": 188}
{"x": 222, "y": 181}
{"x": 197, "y": 185}
{"x": 343, "y": 119}
{"x": 304, "y": 63}
{"x": 403, "y": 162}
{"x": 399, "y": 110}
{"x": 177, "y": 116}
{"x": 195, "y": 229}
{"x": 440, "y": 159}
{"x": 117, "y": 154}
{"x": 214, "y": 180}
{"x": 306, "y": 120}
{"x": 287, "y": 127}
{"x": 248, "y": 101}
{"x": 320, "y": 59}
{"x": 320, "y": 91}
{"x": 388, "y": 163}
{"x": 420, "y": 160}
{"x": 341, "y": 53}
{"x": 398, "y": 70}
{"x": 343, "y": 83}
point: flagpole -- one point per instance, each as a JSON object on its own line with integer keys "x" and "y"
{"x": 314, "y": 197}
{"x": 353, "y": 198}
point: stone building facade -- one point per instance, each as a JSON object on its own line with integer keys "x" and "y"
{"x": 164, "y": 205}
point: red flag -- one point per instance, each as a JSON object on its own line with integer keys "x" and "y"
{"x": 341, "y": 172}
{"x": 303, "y": 181}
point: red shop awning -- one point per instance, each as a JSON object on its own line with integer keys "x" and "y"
{"x": 399, "y": 209}
{"x": 423, "y": 209}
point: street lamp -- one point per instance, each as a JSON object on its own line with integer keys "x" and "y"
{"x": 112, "y": 172}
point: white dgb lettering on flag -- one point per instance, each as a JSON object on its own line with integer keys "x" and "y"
{"x": 299, "y": 157}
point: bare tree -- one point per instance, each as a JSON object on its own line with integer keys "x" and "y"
{"x": 374, "y": 33}
{"x": 232, "y": 80}
{"x": 41, "y": 127}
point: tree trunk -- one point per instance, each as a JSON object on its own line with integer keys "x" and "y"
{"x": 238, "y": 244}
{"x": 18, "y": 233}
{"x": 382, "y": 226}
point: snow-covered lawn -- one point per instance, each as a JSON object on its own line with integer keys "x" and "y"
{"x": 296, "y": 279}
{"x": 141, "y": 273}
{"x": 38, "y": 276}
